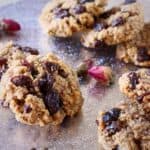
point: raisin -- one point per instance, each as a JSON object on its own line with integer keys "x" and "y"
{"x": 113, "y": 128}
{"x": 27, "y": 109}
{"x": 140, "y": 98}
{"x": 19, "y": 102}
{"x": 79, "y": 9}
{"x": 31, "y": 68}
{"x": 143, "y": 54}
{"x": 26, "y": 63}
{"x": 3, "y": 61}
{"x": 3, "y": 66}
{"x": 30, "y": 50}
{"x": 27, "y": 49}
{"x": 100, "y": 44}
{"x": 129, "y": 1}
{"x": 61, "y": 13}
{"x": 52, "y": 101}
{"x": 62, "y": 73}
{"x": 109, "y": 13}
{"x": 138, "y": 143}
{"x": 107, "y": 118}
{"x": 100, "y": 26}
{"x": 117, "y": 22}
{"x": 22, "y": 80}
{"x": 116, "y": 147}
{"x": 17, "y": 46}
{"x": 51, "y": 67}
{"x": 115, "y": 112}
{"x": 85, "y": 1}
{"x": 134, "y": 80}
{"x": 45, "y": 83}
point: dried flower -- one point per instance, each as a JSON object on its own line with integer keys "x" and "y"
{"x": 82, "y": 68}
{"x": 9, "y": 25}
{"x": 102, "y": 74}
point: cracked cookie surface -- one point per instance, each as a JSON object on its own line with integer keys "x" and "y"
{"x": 120, "y": 24}
{"x": 136, "y": 51}
{"x": 136, "y": 84}
{"x": 62, "y": 18}
{"x": 41, "y": 90}
{"x": 125, "y": 127}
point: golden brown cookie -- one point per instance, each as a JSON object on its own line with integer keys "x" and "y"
{"x": 136, "y": 51}
{"x": 62, "y": 18}
{"x": 41, "y": 90}
{"x": 120, "y": 24}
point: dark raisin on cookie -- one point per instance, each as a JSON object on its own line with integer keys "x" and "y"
{"x": 45, "y": 83}
{"x": 113, "y": 128}
{"x": 3, "y": 66}
{"x": 30, "y": 50}
{"x": 52, "y": 101}
{"x": 3, "y": 61}
{"x": 116, "y": 147}
{"x": 17, "y": 46}
{"x": 26, "y": 49}
{"x": 142, "y": 54}
{"x": 27, "y": 109}
{"x": 51, "y": 67}
{"x": 30, "y": 66}
{"x": 134, "y": 79}
{"x": 61, "y": 13}
{"x": 100, "y": 26}
{"x": 85, "y": 1}
{"x": 110, "y": 12}
{"x": 140, "y": 98}
{"x": 50, "y": 96}
{"x": 100, "y": 44}
{"x": 129, "y": 1}
{"x": 78, "y": 9}
{"x": 62, "y": 73}
{"x": 115, "y": 112}
{"x": 22, "y": 80}
{"x": 111, "y": 115}
{"x": 107, "y": 117}
{"x": 117, "y": 22}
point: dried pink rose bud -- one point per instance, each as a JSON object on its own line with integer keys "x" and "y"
{"x": 102, "y": 74}
{"x": 10, "y": 25}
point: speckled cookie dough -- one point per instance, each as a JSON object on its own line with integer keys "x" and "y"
{"x": 136, "y": 51}
{"x": 13, "y": 54}
{"x": 120, "y": 24}
{"x": 41, "y": 90}
{"x": 136, "y": 85}
{"x": 62, "y": 18}
{"x": 125, "y": 127}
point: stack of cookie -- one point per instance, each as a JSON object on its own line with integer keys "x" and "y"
{"x": 127, "y": 126}
{"x": 39, "y": 90}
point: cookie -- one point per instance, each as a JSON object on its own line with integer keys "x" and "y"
{"x": 120, "y": 24}
{"x": 136, "y": 51}
{"x": 41, "y": 90}
{"x": 62, "y": 18}
{"x": 13, "y": 54}
{"x": 125, "y": 127}
{"x": 136, "y": 85}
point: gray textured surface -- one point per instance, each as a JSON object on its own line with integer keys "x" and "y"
{"x": 79, "y": 133}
